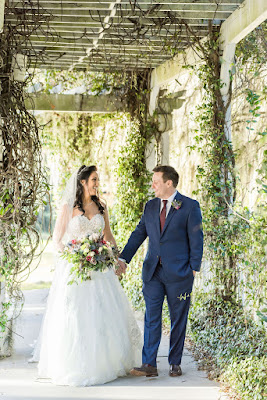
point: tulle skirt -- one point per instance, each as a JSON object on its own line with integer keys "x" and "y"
{"x": 89, "y": 333}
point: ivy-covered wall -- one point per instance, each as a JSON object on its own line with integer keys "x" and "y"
{"x": 228, "y": 177}
{"x": 247, "y": 144}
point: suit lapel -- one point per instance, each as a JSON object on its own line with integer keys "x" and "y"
{"x": 157, "y": 219}
{"x": 171, "y": 213}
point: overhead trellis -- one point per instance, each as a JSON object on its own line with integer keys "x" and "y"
{"x": 122, "y": 34}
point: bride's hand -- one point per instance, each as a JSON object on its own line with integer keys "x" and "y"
{"x": 121, "y": 269}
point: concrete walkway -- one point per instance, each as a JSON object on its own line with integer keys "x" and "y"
{"x": 18, "y": 378}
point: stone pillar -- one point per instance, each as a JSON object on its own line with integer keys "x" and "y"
{"x": 227, "y": 68}
{"x": 2, "y": 14}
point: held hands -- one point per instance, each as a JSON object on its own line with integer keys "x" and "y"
{"x": 121, "y": 269}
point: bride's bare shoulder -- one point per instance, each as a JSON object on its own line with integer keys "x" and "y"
{"x": 76, "y": 212}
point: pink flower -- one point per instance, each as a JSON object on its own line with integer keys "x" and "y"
{"x": 96, "y": 251}
{"x": 74, "y": 241}
{"x": 88, "y": 258}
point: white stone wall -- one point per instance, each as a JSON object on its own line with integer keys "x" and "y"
{"x": 249, "y": 146}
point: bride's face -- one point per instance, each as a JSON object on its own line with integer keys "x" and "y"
{"x": 91, "y": 186}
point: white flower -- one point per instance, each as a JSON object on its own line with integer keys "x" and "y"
{"x": 100, "y": 249}
{"x": 95, "y": 236}
{"x": 91, "y": 254}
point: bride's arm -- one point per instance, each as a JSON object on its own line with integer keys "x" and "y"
{"x": 61, "y": 226}
{"x": 108, "y": 236}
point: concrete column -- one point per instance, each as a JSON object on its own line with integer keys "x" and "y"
{"x": 2, "y": 8}
{"x": 227, "y": 67}
{"x": 2, "y": 14}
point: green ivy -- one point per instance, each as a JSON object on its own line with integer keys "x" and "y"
{"x": 236, "y": 344}
{"x": 221, "y": 323}
{"x": 132, "y": 193}
{"x": 4, "y": 316}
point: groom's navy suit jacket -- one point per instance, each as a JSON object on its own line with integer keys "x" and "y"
{"x": 179, "y": 246}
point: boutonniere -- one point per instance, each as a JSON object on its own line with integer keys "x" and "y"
{"x": 177, "y": 204}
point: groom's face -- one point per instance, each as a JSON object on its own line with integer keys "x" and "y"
{"x": 162, "y": 189}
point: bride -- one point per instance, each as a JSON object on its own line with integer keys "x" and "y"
{"x": 89, "y": 334}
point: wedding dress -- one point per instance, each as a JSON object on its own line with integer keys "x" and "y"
{"x": 89, "y": 334}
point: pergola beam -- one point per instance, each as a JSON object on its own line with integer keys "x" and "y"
{"x": 104, "y": 5}
{"x": 94, "y": 24}
{"x": 79, "y": 103}
{"x": 243, "y": 21}
{"x": 143, "y": 2}
{"x": 57, "y": 8}
{"x": 45, "y": 42}
{"x": 82, "y": 16}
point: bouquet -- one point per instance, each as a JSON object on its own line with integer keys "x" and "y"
{"x": 91, "y": 253}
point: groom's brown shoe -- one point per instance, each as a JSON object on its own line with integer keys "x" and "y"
{"x": 175, "y": 370}
{"x": 145, "y": 370}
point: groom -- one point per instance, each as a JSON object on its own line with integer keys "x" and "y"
{"x": 173, "y": 224}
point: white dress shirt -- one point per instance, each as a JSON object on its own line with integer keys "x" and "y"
{"x": 169, "y": 203}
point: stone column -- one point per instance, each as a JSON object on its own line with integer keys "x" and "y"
{"x": 2, "y": 296}
{"x": 2, "y": 14}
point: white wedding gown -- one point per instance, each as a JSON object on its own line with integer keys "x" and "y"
{"x": 89, "y": 334}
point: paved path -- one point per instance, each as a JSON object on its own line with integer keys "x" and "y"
{"x": 18, "y": 378}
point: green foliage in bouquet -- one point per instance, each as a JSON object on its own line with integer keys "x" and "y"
{"x": 91, "y": 253}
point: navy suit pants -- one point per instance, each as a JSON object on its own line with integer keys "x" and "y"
{"x": 154, "y": 292}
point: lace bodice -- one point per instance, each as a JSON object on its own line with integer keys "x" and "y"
{"x": 80, "y": 226}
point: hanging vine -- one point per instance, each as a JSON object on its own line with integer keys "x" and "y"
{"x": 23, "y": 185}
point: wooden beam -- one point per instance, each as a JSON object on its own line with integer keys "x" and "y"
{"x": 77, "y": 102}
{"x": 44, "y": 3}
{"x": 244, "y": 20}
{"x": 65, "y": 8}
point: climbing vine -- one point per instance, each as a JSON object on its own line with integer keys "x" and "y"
{"x": 221, "y": 319}
{"x": 24, "y": 189}
{"x": 67, "y": 141}
{"x": 217, "y": 174}
{"x": 133, "y": 188}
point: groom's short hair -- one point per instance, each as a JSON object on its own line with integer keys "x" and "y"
{"x": 168, "y": 173}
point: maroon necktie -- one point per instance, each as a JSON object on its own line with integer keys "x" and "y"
{"x": 163, "y": 215}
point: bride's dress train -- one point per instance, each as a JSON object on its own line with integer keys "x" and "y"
{"x": 89, "y": 334}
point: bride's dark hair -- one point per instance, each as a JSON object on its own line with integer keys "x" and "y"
{"x": 83, "y": 174}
